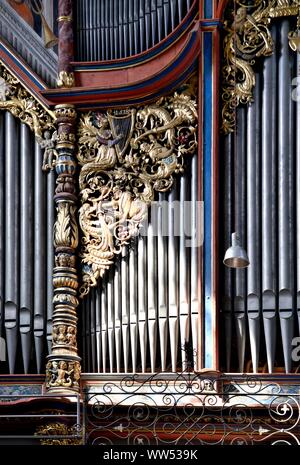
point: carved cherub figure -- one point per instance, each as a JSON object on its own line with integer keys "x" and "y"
{"x": 48, "y": 143}
{"x": 52, "y": 368}
{"x": 71, "y": 336}
{"x": 63, "y": 375}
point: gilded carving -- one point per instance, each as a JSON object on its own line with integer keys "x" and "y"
{"x": 65, "y": 79}
{"x": 63, "y": 374}
{"x": 66, "y": 229}
{"x": 64, "y": 335}
{"x": 126, "y": 156}
{"x": 59, "y": 429}
{"x": 64, "y": 259}
{"x": 247, "y": 38}
{"x": 16, "y": 99}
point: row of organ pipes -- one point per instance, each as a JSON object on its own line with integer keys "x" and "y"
{"x": 111, "y": 29}
{"x": 145, "y": 311}
{"x": 26, "y": 248}
{"x": 259, "y": 305}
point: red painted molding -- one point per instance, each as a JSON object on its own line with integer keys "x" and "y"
{"x": 119, "y": 85}
{"x": 221, "y": 7}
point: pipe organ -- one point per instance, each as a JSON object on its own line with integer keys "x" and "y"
{"x": 113, "y": 29}
{"x": 26, "y": 248}
{"x": 144, "y": 312}
{"x": 260, "y": 200}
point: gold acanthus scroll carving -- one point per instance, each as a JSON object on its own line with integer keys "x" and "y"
{"x": 125, "y": 157}
{"x": 16, "y": 99}
{"x": 248, "y": 37}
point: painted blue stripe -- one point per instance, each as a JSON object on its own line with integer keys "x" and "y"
{"x": 210, "y": 22}
{"x": 207, "y": 150}
{"x": 208, "y": 8}
{"x": 141, "y": 100}
{"x": 136, "y": 86}
{"x": 21, "y": 67}
{"x": 145, "y": 57}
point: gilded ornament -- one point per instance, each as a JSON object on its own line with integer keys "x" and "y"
{"x": 62, "y": 374}
{"x": 247, "y": 38}
{"x": 59, "y": 429}
{"x": 65, "y": 79}
{"x": 65, "y": 228}
{"x": 16, "y": 99}
{"x": 125, "y": 157}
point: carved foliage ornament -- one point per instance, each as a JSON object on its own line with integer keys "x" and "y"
{"x": 16, "y": 99}
{"x": 125, "y": 157}
{"x": 247, "y": 38}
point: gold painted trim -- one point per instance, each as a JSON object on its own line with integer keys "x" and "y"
{"x": 248, "y": 38}
{"x": 67, "y": 19}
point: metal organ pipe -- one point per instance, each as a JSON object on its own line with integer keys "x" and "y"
{"x": 39, "y": 300}
{"x": 268, "y": 217}
{"x": 25, "y": 254}
{"x": 150, "y": 298}
{"x": 113, "y": 29}
{"x": 272, "y": 201}
{"x": 50, "y": 253}
{"x": 240, "y": 221}
{"x": 11, "y": 237}
{"x": 253, "y": 224}
{"x": 285, "y": 191}
{"x": 227, "y": 300}
{"x": 2, "y": 215}
{"x": 26, "y": 244}
{"x": 162, "y": 275}
{"x": 172, "y": 284}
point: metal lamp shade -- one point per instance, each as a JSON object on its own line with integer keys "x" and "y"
{"x": 236, "y": 256}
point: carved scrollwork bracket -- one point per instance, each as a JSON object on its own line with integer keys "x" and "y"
{"x": 18, "y": 101}
{"x": 125, "y": 157}
{"x": 247, "y": 38}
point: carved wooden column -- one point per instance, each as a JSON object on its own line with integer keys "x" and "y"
{"x": 63, "y": 367}
{"x": 65, "y": 43}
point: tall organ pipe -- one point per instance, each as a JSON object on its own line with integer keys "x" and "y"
{"x": 11, "y": 238}
{"x": 227, "y": 301}
{"x": 285, "y": 191}
{"x": 117, "y": 313}
{"x": 152, "y": 288}
{"x": 142, "y": 304}
{"x": 125, "y": 307}
{"x": 297, "y": 189}
{"x": 98, "y": 309}
{"x": 173, "y": 276}
{"x": 2, "y": 214}
{"x": 269, "y": 220}
{"x": 39, "y": 256}
{"x": 184, "y": 304}
{"x": 195, "y": 233}
{"x": 133, "y": 305}
{"x": 240, "y": 222}
{"x": 162, "y": 262}
{"x": 26, "y": 245}
{"x": 253, "y": 224}
{"x": 50, "y": 253}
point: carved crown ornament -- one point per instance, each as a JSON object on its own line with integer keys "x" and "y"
{"x": 248, "y": 37}
{"x": 125, "y": 156}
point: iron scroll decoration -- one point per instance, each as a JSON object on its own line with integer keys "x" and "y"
{"x": 248, "y": 38}
{"x": 125, "y": 157}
